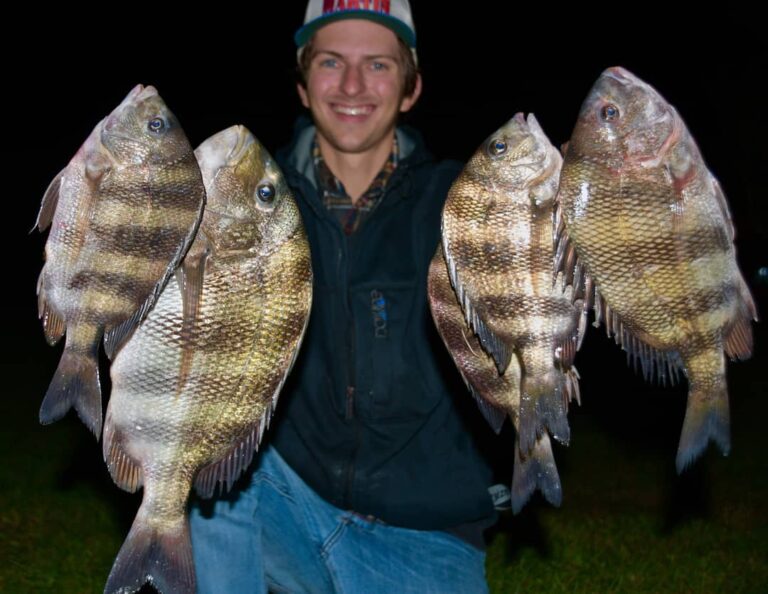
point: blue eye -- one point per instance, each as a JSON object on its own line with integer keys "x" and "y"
{"x": 497, "y": 147}
{"x": 609, "y": 113}
{"x": 266, "y": 192}
{"x": 329, "y": 63}
{"x": 156, "y": 125}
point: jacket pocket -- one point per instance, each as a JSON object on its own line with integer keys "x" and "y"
{"x": 389, "y": 339}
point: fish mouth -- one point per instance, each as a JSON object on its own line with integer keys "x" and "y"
{"x": 622, "y": 76}
{"x": 223, "y": 148}
{"x": 137, "y": 95}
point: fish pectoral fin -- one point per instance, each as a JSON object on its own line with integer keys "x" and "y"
{"x": 161, "y": 556}
{"x": 535, "y": 471}
{"x": 191, "y": 274}
{"x": 229, "y": 467}
{"x": 49, "y": 203}
{"x": 124, "y": 470}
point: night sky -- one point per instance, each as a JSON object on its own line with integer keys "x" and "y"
{"x": 479, "y": 69}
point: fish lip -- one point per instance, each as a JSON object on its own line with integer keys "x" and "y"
{"x": 621, "y": 75}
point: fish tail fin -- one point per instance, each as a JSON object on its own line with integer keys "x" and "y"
{"x": 75, "y": 385}
{"x": 535, "y": 471}
{"x": 706, "y": 415}
{"x": 706, "y": 418}
{"x": 161, "y": 557}
{"x": 543, "y": 406}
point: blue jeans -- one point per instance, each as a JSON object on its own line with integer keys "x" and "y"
{"x": 277, "y": 533}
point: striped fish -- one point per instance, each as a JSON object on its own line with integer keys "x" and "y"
{"x": 644, "y": 233}
{"x": 497, "y": 395}
{"x": 497, "y": 240}
{"x": 122, "y": 215}
{"x": 195, "y": 386}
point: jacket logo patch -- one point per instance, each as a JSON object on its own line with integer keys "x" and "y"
{"x": 379, "y": 313}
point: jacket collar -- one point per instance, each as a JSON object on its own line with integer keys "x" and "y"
{"x": 297, "y": 156}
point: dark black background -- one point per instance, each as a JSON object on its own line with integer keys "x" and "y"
{"x": 481, "y": 63}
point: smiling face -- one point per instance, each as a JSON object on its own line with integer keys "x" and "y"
{"x": 354, "y": 86}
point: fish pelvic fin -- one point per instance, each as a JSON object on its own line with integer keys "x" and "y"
{"x": 536, "y": 471}
{"x": 543, "y": 405}
{"x": 158, "y": 556}
{"x": 707, "y": 415}
{"x": 75, "y": 385}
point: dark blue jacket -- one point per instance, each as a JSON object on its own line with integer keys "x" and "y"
{"x": 369, "y": 416}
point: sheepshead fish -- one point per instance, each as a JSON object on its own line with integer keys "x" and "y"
{"x": 194, "y": 387}
{"x": 497, "y": 395}
{"x": 643, "y": 227}
{"x": 123, "y": 213}
{"x": 497, "y": 239}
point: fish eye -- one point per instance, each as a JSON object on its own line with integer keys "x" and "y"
{"x": 156, "y": 125}
{"x": 609, "y": 112}
{"x": 266, "y": 192}
{"x": 497, "y": 147}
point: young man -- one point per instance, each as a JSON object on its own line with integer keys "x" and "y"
{"x": 371, "y": 481}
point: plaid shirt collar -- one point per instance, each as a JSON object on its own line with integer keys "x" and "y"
{"x": 336, "y": 199}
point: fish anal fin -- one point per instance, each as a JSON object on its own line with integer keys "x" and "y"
{"x": 159, "y": 556}
{"x": 536, "y": 471}
{"x": 491, "y": 343}
{"x": 125, "y": 472}
{"x": 738, "y": 342}
{"x": 49, "y": 203}
{"x": 54, "y": 325}
{"x": 229, "y": 467}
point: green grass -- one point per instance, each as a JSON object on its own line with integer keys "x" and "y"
{"x": 627, "y": 523}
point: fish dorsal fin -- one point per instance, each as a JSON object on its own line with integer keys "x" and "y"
{"x": 476, "y": 367}
{"x": 228, "y": 469}
{"x": 494, "y": 415}
{"x": 491, "y": 343}
{"x": 116, "y": 336}
{"x": 125, "y": 471}
{"x": 49, "y": 203}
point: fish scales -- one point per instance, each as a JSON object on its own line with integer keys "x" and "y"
{"x": 195, "y": 386}
{"x": 651, "y": 226}
{"x": 122, "y": 214}
{"x": 497, "y": 239}
{"x": 497, "y": 395}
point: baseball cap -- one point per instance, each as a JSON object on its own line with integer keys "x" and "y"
{"x": 393, "y": 14}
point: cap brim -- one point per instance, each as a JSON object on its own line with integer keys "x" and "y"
{"x": 396, "y": 25}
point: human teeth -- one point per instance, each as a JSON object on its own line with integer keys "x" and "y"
{"x": 352, "y": 110}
